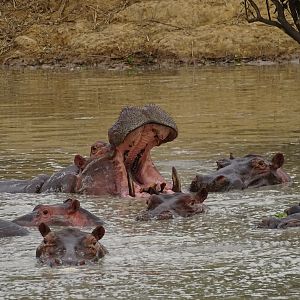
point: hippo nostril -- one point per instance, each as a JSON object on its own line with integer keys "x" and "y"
{"x": 82, "y": 262}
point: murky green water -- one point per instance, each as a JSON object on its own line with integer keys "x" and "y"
{"x": 46, "y": 117}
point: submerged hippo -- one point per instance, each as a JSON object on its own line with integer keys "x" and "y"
{"x": 273, "y": 222}
{"x": 164, "y": 206}
{"x": 70, "y": 246}
{"x": 8, "y": 228}
{"x": 69, "y": 213}
{"x": 241, "y": 173}
{"x": 293, "y": 209}
{"x": 121, "y": 167}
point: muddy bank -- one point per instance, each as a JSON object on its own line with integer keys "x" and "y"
{"x": 125, "y": 33}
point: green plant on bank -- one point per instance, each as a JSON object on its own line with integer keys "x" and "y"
{"x": 130, "y": 60}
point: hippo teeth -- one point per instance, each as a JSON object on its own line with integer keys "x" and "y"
{"x": 135, "y": 163}
{"x": 176, "y": 181}
{"x": 131, "y": 189}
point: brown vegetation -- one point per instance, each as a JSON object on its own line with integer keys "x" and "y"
{"x": 96, "y": 32}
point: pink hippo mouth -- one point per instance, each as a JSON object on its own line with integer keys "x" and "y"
{"x": 134, "y": 155}
{"x": 125, "y": 168}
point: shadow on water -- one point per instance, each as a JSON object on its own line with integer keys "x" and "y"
{"x": 47, "y": 117}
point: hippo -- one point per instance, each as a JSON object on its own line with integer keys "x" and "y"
{"x": 61, "y": 181}
{"x": 293, "y": 209}
{"x": 69, "y": 213}
{"x": 23, "y": 186}
{"x": 250, "y": 171}
{"x": 292, "y": 220}
{"x": 168, "y": 206}
{"x": 70, "y": 246}
{"x": 8, "y": 228}
{"x": 124, "y": 167}
{"x": 121, "y": 167}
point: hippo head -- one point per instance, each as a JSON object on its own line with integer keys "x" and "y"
{"x": 70, "y": 246}
{"x": 124, "y": 166}
{"x": 68, "y": 213}
{"x": 292, "y": 220}
{"x": 165, "y": 206}
{"x": 269, "y": 222}
{"x": 293, "y": 209}
{"x": 243, "y": 172}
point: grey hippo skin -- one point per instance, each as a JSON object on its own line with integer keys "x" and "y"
{"x": 161, "y": 207}
{"x": 273, "y": 222}
{"x": 68, "y": 213}
{"x": 8, "y": 229}
{"x": 70, "y": 246}
{"x": 250, "y": 171}
{"x": 23, "y": 186}
{"x": 292, "y": 219}
{"x": 61, "y": 181}
{"x": 122, "y": 167}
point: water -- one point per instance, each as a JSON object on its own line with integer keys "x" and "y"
{"x": 47, "y": 117}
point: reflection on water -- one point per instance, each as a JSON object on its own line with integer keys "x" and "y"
{"x": 47, "y": 117}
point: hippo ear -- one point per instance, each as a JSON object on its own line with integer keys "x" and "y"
{"x": 201, "y": 195}
{"x": 74, "y": 205}
{"x": 220, "y": 179}
{"x": 153, "y": 202}
{"x": 44, "y": 229}
{"x": 231, "y": 155}
{"x": 98, "y": 232}
{"x": 79, "y": 161}
{"x": 277, "y": 161}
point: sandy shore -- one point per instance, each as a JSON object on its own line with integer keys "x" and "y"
{"x": 121, "y": 34}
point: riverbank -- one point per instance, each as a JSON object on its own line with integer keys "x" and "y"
{"x": 121, "y": 34}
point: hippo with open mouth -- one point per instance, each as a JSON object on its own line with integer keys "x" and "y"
{"x": 124, "y": 167}
{"x": 250, "y": 171}
{"x": 121, "y": 167}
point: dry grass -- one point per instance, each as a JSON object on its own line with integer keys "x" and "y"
{"x": 91, "y": 31}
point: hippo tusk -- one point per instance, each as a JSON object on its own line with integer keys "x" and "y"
{"x": 176, "y": 181}
{"x": 130, "y": 183}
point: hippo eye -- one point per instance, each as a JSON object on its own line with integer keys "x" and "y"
{"x": 261, "y": 163}
{"x": 45, "y": 212}
{"x": 45, "y": 241}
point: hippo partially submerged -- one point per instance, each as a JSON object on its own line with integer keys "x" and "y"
{"x": 68, "y": 213}
{"x": 121, "y": 167}
{"x": 291, "y": 218}
{"x": 274, "y": 222}
{"x": 243, "y": 172}
{"x": 70, "y": 246}
{"x": 8, "y": 228}
{"x": 161, "y": 207}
